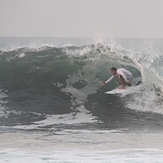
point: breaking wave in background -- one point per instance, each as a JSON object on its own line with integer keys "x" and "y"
{"x": 45, "y": 85}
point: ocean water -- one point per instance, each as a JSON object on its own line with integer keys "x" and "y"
{"x": 53, "y": 108}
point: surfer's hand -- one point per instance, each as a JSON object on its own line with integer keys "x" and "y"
{"x": 128, "y": 81}
{"x": 103, "y": 84}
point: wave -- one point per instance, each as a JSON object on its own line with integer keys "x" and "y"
{"x": 64, "y": 83}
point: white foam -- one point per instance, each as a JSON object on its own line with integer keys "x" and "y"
{"x": 77, "y": 52}
{"x": 81, "y": 146}
{"x": 21, "y": 55}
{"x": 122, "y": 156}
{"x": 80, "y": 116}
{"x": 3, "y": 111}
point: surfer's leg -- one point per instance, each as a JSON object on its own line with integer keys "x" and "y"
{"x": 129, "y": 84}
{"x": 121, "y": 81}
{"x": 130, "y": 79}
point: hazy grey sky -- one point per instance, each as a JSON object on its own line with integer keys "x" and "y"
{"x": 82, "y": 18}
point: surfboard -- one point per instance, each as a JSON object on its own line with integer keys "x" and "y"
{"x": 123, "y": 91}
{"x": 118, "y": 91}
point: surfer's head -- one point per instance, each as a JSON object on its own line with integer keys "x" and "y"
{"x": 113, "y": 70}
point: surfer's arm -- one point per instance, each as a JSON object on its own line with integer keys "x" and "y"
{"x": 110, "y": 79}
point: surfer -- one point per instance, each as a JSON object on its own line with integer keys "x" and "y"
{"x": 124, "y": 77}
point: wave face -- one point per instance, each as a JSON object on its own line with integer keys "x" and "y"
{"x": 46, "y": 86}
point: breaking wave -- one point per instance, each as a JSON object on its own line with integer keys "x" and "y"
{"x": 51, "y": 85}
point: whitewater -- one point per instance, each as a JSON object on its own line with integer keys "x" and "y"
{"x": 53, "y": 108}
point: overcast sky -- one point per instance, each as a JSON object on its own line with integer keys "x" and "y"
{"x": 82, "y": 18}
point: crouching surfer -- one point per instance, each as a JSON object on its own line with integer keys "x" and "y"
{"x": 124, "y": 77}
